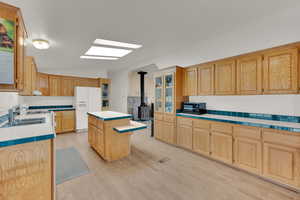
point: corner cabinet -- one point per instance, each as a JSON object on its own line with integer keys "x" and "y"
{"x": 280, "y": 69}
{"x": 168, "y": 98}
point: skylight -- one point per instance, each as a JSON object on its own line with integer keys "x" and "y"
{"x": 99, "y": 57}
{"x": 109, "y": 50}
{"x": 117, "y": 44}
{"x": 106, "y": 51}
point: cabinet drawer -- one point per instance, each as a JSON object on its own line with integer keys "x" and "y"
{"x": 281, "y": 137}
{"x": 247, "y": 132}
{"x": 198, "y": 123}
{"x": 184, "y": 121}
{"x": 159, "y": 116}
{"x": 93, "y": 120}
{"x": 169, "y": 118}
{"x": 221, "y": 127}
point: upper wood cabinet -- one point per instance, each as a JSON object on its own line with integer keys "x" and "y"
{"x": 280, "y": 68}
{"x": 225, "y": 77}
{"x": 30, "y": 77}
{"x": 67, "y": 86}
{"x": 206, "y": 79}
{"x": 190, "y": 81}
{"x": 14, "y": 15}
{"x": 55, "y": 84}
{"x": 43, "y": 84}
{"x": 249, "y": 75}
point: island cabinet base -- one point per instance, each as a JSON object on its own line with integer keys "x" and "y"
{"x": 26, "y": 171}
{"x": 107, "y": 142}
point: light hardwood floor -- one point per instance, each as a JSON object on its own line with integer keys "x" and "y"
{"x": 181, "y": 176}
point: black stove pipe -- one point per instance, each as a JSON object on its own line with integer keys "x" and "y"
{"x": 142, "y": 85}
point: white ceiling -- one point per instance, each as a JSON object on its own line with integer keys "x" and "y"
{"x": 171, "y": 31}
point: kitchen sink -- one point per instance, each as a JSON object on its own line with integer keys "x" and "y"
{"x": 23, "y": 122}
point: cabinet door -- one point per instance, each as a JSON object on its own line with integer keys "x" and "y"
{"x": 221, "y": 147}
{"x": 206, "y": 80}
{"x": 27, "y": 77}
{"x": 43, "y": 84}
{"x": 158, "y": 129}
{"x": 282, "y": 163}
{"x": 67, "y": 87}
{"x": 92, "y": 135}
{"x": 68, "y": 121}
{"x": 99, "y": 137}
{"x": 58, "y": 122}
{"x": 201, "y": 141}
{"x": 248, "y": 154}
{"x": 281, "y": 71}
{"x": 33, "y": 77}
{"x": 191, "y": 81}
{"x": 185, "y": 136}
{"x": 249, "y": 75}
{"x": 55, "y": 86}
{"x": 169, "y": 132}
{"x": 158, "y": 105}
{"x": 225, "y": 78}
{"x": 169, "y": 84}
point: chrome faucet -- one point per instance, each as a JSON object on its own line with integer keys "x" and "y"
{"x": 12, "y": 112}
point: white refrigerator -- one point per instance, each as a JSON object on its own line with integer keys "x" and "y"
{"x": 87, "y": 99}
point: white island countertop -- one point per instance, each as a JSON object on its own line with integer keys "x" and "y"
{"x": 28, "y": 133}
{"x": 110, "y": 115}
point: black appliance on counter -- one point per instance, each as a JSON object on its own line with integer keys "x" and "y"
{"x": 193, "y": 108}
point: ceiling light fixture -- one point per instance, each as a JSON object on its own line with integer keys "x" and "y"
{"x": 117, "y": 44}
{"x": 105, "y": 51}
{"x": 41, "y": 44}
{"x": 99, "y": 58}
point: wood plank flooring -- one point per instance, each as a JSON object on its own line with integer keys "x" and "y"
{"x": 155, "y": 170}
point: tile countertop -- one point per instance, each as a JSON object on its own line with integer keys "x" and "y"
{"x": 28, "y": 133}
{"x": 280, "y": 125}
{"x": 110, "y": 115}
{"x": 52, "y": 108}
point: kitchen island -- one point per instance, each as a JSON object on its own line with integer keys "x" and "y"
{"x": 109, "y": 133}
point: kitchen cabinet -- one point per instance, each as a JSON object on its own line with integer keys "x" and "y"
{"x": 249, "y": 75}
{"x": 280, "y": 69}
{"x": 281, "y": 156}
{"x": 221, "y": 147}
{"x": 14, "y": 14}
{"x": 248, "y": 148}
{"x": 105, "y": 85}
{"x": 65, "y": 121}
{"x": 184, "y": 133}
{"x": 68, "y": 121}
{"x": 206, "y": 79}
{"x": 225, "y": 77}
{"x": 191, "y": 81}
{"x": 30, "y": 74}
{"x": 201, "y": 141}
{"x": 55, "y": 84}
{"x": 168, "y": 98}
{"x": 43, "y": 84}
{"x": 67, "y": 86}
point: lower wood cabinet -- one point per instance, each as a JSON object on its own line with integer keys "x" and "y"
{"x": 169, "y": 133}
{"x": 158, "y": 129}
{"x": 185, "y": 136}
{"x": 165, "y": 127}
{"x": 221, "y": 147}
{"x": 201, "y": 141}
{"x": 65, "y": 121}
{"x": 248, "y": 154}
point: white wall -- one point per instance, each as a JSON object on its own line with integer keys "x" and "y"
{"x": 119, "y": 90}
{"x": 44, "y": 100}
{"x": 8, "y": 100}
{"x": 269, "y": 104}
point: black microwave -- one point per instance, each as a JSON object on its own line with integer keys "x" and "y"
{"x": 193, "y": 108}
